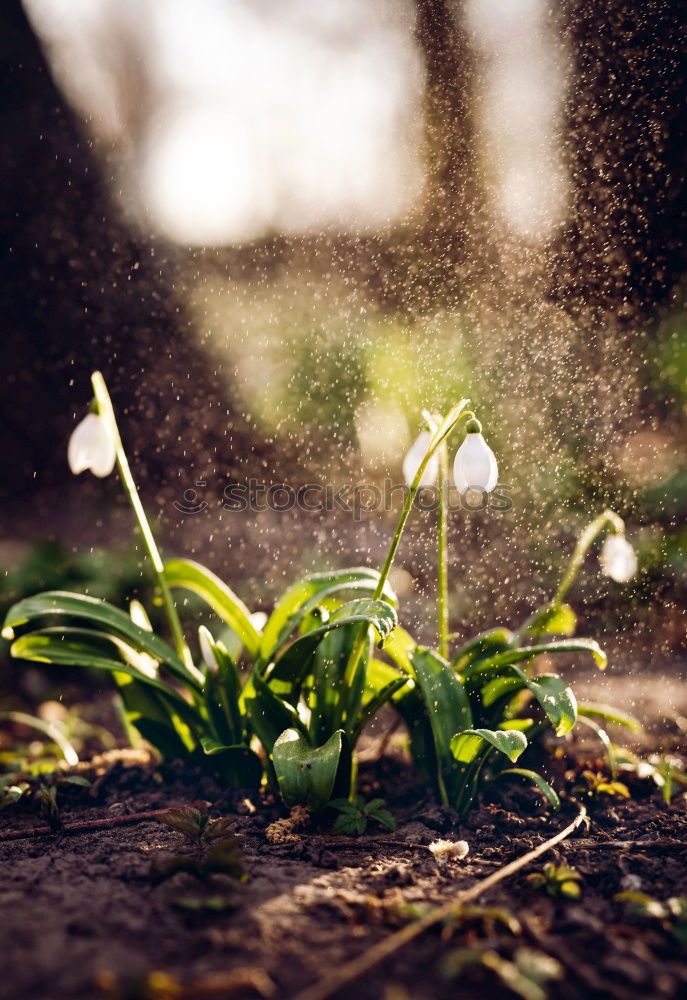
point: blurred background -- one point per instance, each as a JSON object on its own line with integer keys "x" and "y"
{"x": 282, "y": 228}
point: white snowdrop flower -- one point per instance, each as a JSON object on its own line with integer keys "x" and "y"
{"x": 411, "y": 463}
{"x": 449, "y": 850}
{"x": 207, "y": 652}
{"x": 618, "y": 559}
{"x": 475, "y": 465}
{"x": 91, "y": 446}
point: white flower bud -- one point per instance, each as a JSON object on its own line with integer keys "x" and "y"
{"x": 91, "y": 446}
{"x": 411, "y": 463}
{"x": 618, "y": 559}
{"x": 206, "y": 648}
{"x": 475, "y": 465}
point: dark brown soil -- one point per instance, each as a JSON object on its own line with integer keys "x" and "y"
{"x": 81, "y": 920}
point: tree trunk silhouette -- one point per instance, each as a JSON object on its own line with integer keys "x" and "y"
{"x": 627, "y": 141}
{"x": 428, "y": 259}
{"x": 81, "y": 291}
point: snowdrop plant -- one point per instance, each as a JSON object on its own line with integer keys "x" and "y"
{"x": 287, "y": 714}
{"x": 472, "y": 713}
{"x": 284, "y": 698}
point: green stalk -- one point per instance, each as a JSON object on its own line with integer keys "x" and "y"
{"x": 105, "y": 409}
{"x": 457, "y": 413}
{"x": 442, "y": 533}
{"x": 609, "y": 519}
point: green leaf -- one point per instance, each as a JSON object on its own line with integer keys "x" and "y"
{"x": 237, "y": 765}
{"x": 306, "y": 775}
{"x": 67, "y": 609}
{"x": 188, "y": 575}
{"x": 156, "y": 717}
{"x": 553, "y": 694}
{"x": 486, "y": 669}
{"x": 595, "y": 710}
{"x": 554, "y": 619}
{"x": 448, "y": 709}
{"x": 410, "y": 705}
{"x": 384, "y": 818}
{"x": 348, "y": 824}
{"x": 467, "y": 746}
{"x": 300, "y": 599}
{"x": 222, "y": 695}
{"x": 87, "y": 648}
{"x": 344, "y": 806}
{"x": 49, "y": 729}
{"x": 269, "y": 714}
{"x": 186, "y": 820}
{"x": 334, "y": 703}
{"x": 483, "y": 646}
{"x": 606, "y": 741}
{"x": 370, "y": 707}
{"x": 536, "y": 779}
{"x": 399, "y": 647}
{"x": 290, "y": 670}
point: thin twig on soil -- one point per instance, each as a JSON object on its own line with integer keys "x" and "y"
{"x": 349, "y": 971}
{"x": 664, "y": 844}
{"x": 86, "y": 825}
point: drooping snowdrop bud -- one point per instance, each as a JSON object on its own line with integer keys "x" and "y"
{"x": 475, "y": 465}
{"x": 206, "y": 643}
{"x": 411, "y": 463}
{"x": 618, "y": 559}
{"x": 91, "y": 446}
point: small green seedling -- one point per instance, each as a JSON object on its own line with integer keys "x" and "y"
{"x": 196, "y": 826}
{"x": 357, "y": 814}
{"x": 50, "y": 811}
{"x": 672, "y": 914}
{"x": 597, "y": 784}
{"x": 217, "y": 850}
{"x": 224, "y": 858}
{"x": 559, "y": 881}
{"x": 526, "y": 975}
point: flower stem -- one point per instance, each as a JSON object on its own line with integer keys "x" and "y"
{"x": 457, "y": 414}
{"x": 105, "y": 409}
{"x": 608, "y": 519}
{"x": 442, "y": 569}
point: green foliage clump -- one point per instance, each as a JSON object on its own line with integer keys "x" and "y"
{"x": 285, "y": 700}
{"x": 559, "y": 881}
{"x": 357, "y": 813}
